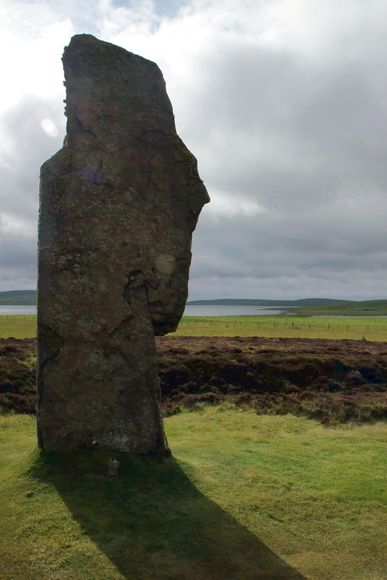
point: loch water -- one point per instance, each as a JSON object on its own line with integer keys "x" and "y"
{"x": 190, "y": 310}
{"x": 6, "y": 309}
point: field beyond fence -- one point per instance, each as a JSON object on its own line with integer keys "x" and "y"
{"x": 335, "y": 327}
{"x": 354, "y": 328}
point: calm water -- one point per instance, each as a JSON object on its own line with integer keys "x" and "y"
{"x": 220, "y": 310}
{"x": 199, "y": 310}
{"x": 17, "y": 309}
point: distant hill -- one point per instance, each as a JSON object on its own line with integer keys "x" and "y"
{"x": 303, "y": 307}
{"x": 258, "y": 302}
{"x": 28, "y": 297}
{"x": 358, "y": 308}
{"x": 22, "y": 297}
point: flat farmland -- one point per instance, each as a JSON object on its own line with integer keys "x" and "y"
{"x": 372, "y": 328}
{"x": 17, "y": 326}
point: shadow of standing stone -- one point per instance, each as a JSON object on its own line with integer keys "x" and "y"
{"x": 153, "y": 523}
{"x": 118, "y": 204}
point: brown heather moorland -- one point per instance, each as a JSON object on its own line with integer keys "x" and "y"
{"x": 333, "y": 381}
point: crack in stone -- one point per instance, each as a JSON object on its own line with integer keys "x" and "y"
{"x": 82, "y": 125}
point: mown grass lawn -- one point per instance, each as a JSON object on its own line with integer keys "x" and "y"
{"x": 246, "y": 496}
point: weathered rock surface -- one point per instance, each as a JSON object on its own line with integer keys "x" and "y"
{"x": 118, "y": 205}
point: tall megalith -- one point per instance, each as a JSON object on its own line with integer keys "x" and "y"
{"x": 118, "y": 204}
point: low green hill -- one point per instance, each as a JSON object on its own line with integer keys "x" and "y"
{"x": 363, "y": 308}
{"x": 261, "y": 302}
{"x": 22, "y": 297}
{"x": 302, "y": 307}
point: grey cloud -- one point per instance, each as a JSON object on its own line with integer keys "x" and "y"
{"x": 265, "y": 248}
{"x": 302, "y": 136}
{"x": 322, "y": 178}
{"x": 18, "y": 260}
{"x": 287, "y": 131}
{"x": 28, "y": 147}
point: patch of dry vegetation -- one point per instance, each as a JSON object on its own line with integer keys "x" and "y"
{"x": 332, "y": 381}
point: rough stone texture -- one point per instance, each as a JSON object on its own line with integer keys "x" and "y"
{"x": 118, "y": 204}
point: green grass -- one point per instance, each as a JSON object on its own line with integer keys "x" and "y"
{"x": 357, "y": 328}
{"x": 17, "y": 325}
{"x": 285, "y": 327}
{"x": 246, "y": 497}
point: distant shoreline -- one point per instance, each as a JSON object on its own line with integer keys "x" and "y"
{"x": 264, "y": 302}
{"x": 234, "y": 306}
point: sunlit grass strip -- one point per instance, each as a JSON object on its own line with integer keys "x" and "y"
{"x": 17, "y": 325}
{"x": 354, "y": 328}
{"x": 358, "y": 328}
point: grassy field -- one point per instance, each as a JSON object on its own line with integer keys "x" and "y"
{"x": 17, "y": 326}
{"x": 282, "y": 497}
{"x": 285, "y": 327}
{"x": 357, "y": 328}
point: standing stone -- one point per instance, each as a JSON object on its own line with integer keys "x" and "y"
{"x": 118, "y": 204}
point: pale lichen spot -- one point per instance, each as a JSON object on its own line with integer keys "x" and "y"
{"x": 165, "y": 264}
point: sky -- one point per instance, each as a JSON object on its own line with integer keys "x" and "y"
{"x": 283, "y": 102}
